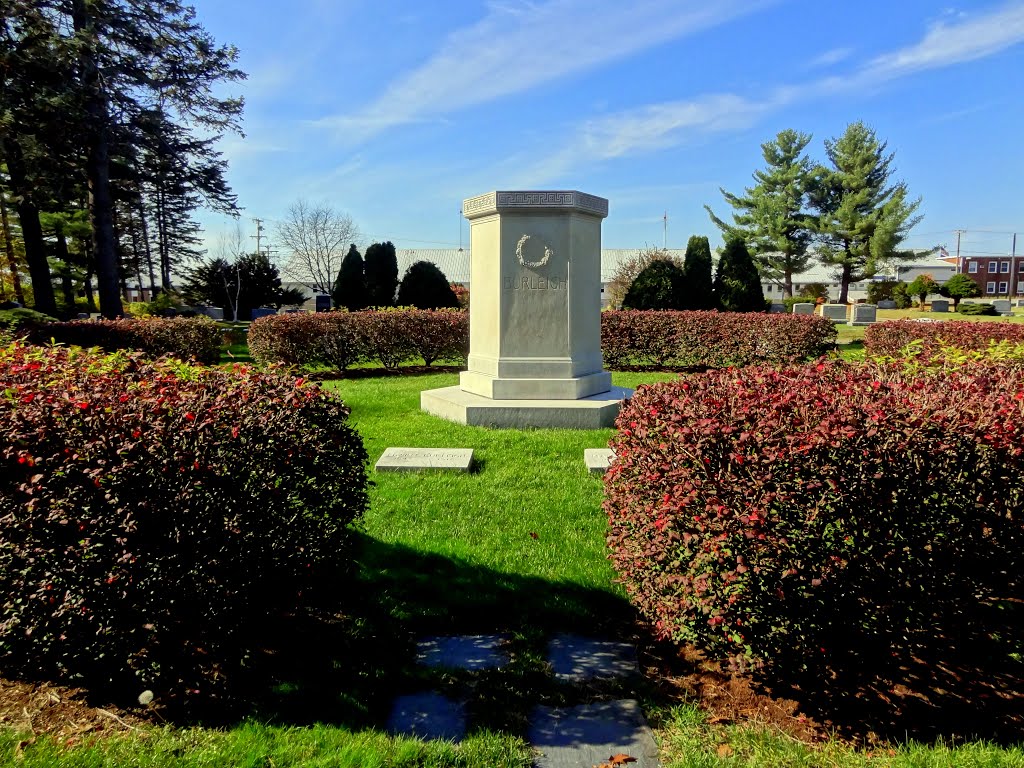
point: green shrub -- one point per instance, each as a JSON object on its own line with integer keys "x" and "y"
{"x": 197, "y": 338}
{"x": 658, "y": 286}
{"x": 977, "y": 309}
{"x": 18, "y": 323}
{"x": 711, "y": 339}
{"x": 153, "y": 515}
{"x": 783, "y": 516}
{"x": 424, "y": 286}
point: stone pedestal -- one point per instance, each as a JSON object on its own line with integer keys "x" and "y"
{"x": 535, "y": 315}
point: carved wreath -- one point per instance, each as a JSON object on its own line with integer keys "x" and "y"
{"x": 548, "y": 253}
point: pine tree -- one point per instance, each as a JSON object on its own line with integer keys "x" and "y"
{"x": 658, "y": 286}
{"x": 381, "y": 270}
{"x": 696, "y": 287}
{"x": 959, "y": 287}
{"x": 349, "y": 290}
{"x": 737, "y": 282}
{"x": 424, "y": 286}
{"x": 773, "y": 215}
{"x": 862, "y": 219}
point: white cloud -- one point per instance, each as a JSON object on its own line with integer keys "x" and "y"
{"x": 520, "y": 45}
{"x": 830, "y": 58}
{"x": 656, "y": 126}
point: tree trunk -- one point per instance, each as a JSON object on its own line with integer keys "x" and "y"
{"x": 97, "y": 168}
{"x": 12, "y": 262}
{"x": 844, "y": 285}
{"x": 787, "y": 284}
{"x": 67, "y": 285}
{"x": 31, "y": 233}
{"x": 147, "y": 250}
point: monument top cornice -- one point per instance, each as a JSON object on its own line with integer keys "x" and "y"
{"x": 560, "y": 201}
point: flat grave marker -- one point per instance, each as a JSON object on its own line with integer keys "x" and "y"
{"x": 597, "y": 459}
{"x": 416, "y": 459}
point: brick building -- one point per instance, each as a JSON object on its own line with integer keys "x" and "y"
{"x": 996, "y": 276}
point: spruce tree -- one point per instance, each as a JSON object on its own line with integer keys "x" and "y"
{"x": 697, "y": 291}
{"x": 658, "y": 286}
{"x": 862, "y": 217}
{"x": 737, "y": 282}
{"x": 349, "y": 289}
{"x": 381, "y": 270}
{"x": 773, "y": 216}
{"x": 424, "y": 286}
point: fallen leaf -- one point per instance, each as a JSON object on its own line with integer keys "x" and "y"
{"x": 621, "y": 759}
{"x": 724, "y": 750}
{"x": 534, "y": 536}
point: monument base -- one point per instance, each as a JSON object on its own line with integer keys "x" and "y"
{"x": 495, "y": 388}
{"x": 594, "y": 412}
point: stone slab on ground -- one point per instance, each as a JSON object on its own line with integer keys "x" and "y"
{"x": 415, "y": 459}
{"x": 594, "y": 412}
{"x": 597, "y": 459}
{"x": 428, "y": 716}
{"x": 590, "y": 734}
{"x": 471, "y": 652}
{"x": 577, "y": 659}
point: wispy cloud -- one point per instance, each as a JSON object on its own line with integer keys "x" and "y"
{"x": 520, "y": 45}
{"x": 657, "y": 126}
{"x": 830, "y": 58}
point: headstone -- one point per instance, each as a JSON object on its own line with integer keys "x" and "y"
{"x": 777, "y": 309}
{"x": 259, "y": 312}
{"x": 323, "y": 302}
{"x": 428, "y": 716}
{"x": 577, "y": 659}
{"x": 940, "y": 305}
{"x": 535, "y": 327}
{"x": 834, "y": 312}
{"x": 214, "y": 313}
{"x": 887, "y": 304}
{"x": 1002, "y": 306}
{"x": 591, "y": 734}
{"x": 597, "y": 459}
{"x": 470, "y": 652}
{"x": 803, "y": 308}
{"x": 82, "y": 316}
{"x": 863, "y": 314}
{"x": 415, "y": 459}
{"x": 1020, "y": 302}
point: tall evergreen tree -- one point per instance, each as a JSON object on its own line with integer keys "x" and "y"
{"x": 658, "y": 286}
{"x": 773, "y": 215}
{"x": 697, "y": 291}
{"x": 862, "y": 217}
{"x": 381, "y": 270}
{"x": 737, "y": 282}
{"x": 349, "y": 290}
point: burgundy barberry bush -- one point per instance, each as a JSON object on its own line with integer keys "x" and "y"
{"x": 761, "y": 514}
{"x": 890, "y": 338}
{"x": 187, "y": 338}
{"x": 153, "y": 515}
{"x": 711, "y": 339}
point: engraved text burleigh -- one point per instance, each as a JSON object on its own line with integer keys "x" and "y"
{"x": 534, "y": 283}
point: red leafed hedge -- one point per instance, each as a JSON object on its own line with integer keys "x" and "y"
{"x": 197, "y": 338}
{"x": 154, "y": 515}
{"x": 711, "y": 339}
{"x": 888, "y": 338}
{"x": 770, "y": 514}
{"x": 340, "y": 339}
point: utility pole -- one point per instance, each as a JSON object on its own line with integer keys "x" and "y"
{"x": 664, "y": 241}
{"x": 958, "y": 232}
{"x": 1013, "y": 263}
{"x": 259, "y": 233}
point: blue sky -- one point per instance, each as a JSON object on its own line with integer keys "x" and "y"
{"x": 394, "y": 111}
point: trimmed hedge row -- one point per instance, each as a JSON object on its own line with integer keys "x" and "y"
{"x": 197, "y": 338}
{"x": 155, "y": 515}
{"x": 628, "y": 337}
{"x": 776, "y": 516}
{"x": 712, "y": 339}
{"x": 341, "y": 339}
{"x": 889, "y": 338}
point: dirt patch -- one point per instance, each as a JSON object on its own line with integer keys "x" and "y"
{"x": 37, "y": 709}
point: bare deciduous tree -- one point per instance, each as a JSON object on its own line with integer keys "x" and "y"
{"x": 230, "y": 250}
{"x": 317, "y": 238}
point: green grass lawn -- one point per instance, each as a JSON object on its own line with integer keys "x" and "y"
{"x": 516, "y": 546}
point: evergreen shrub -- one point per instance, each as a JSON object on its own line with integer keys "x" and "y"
{"x": 781, "y": 516}
{"x": 154, "y": 515}
{"x": 888, "y": 339}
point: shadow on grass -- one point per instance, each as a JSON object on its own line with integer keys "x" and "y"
{"x": 345, "y": 667}
{"x": 962, "y": 680}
